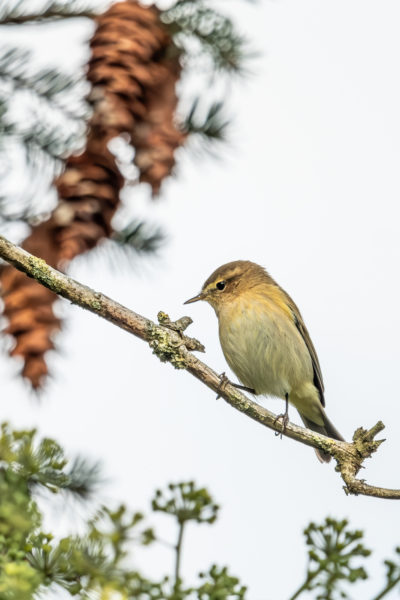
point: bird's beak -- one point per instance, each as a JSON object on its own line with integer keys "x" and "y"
{"x": 195, "y": 299}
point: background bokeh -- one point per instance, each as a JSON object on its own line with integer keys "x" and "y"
{"x": 308, "y": 187}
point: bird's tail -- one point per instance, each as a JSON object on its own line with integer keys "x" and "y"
{"x": 326, "y": 429}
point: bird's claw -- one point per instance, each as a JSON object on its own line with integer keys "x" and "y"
{"x": 285, "y": 422}
{"x": 223, "y": 380}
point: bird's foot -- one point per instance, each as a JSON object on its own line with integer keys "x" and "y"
{"x": 284, "y": 416}
{"x": 224, "y": 380}
{"x": 285, "y": 421}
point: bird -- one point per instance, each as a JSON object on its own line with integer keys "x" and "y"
{"x": 266, "y": 343}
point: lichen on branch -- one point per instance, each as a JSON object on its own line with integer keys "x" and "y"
{"x": 170, "y": 344}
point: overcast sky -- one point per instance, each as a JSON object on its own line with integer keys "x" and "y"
{"x": 309, "y": 188}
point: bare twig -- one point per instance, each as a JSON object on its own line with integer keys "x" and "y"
{"x": 170, "y": 345}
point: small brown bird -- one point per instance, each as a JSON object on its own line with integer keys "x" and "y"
{"x": 266, "y": 343}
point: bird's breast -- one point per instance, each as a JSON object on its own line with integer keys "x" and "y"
{"x": 263, "y": 347}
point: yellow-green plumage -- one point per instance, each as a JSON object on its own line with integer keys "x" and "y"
{"x": 265, "y": 341}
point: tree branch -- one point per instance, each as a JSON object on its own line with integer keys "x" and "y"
{"x": 169, "y": 343}
{"x": 47, "y": 16}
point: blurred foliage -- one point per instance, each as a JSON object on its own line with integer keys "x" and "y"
{"x": 97, "y": 564}
{"x": 392, "y": 575}
{"x": 129, "y": 242}
{"x": 47, "y": 118}
{"x": 43, "y": 117}
{"x": 335, "y": 562}
{"x": 139, "y": 237}
{"x": 23, "y": 11}
{"x": 204, "y": 33}
{"x": 206, "y": 129}
{"x": 333, "y": 548}
{"x": 211, "y": 47}
{"x": 27, "y": 467}
{"x": 43, "y": 111}
{"x": 186, "y": 502}
{"x": 217, "y": 583}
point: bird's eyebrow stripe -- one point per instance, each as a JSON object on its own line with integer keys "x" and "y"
{"x": 230, "y": 277}
{"x": 221, "y": 278}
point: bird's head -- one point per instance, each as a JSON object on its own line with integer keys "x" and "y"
{"x": 227, "y": 283}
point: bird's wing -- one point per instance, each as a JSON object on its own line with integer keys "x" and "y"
{"x": 298, "y": 320}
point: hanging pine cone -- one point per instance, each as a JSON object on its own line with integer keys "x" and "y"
{"x": 133, "y": 71}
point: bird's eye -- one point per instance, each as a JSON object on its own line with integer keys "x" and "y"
{"x": 221, "y": 285}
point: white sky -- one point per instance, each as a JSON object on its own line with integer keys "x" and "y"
{"x": 309, "y": 188}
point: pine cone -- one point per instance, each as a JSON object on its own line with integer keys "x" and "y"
{"x": 133, "y": 70}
